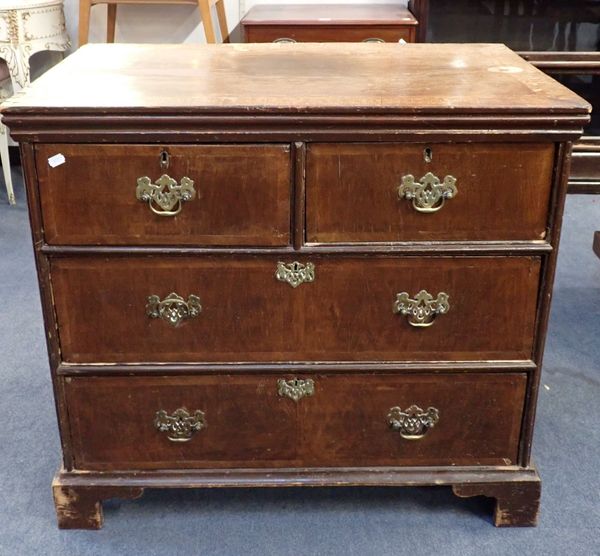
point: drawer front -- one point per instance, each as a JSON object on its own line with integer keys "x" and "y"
{"x": 113, "y": 422}
{"x": 236, "y": 309}
{"x": 240, "y": 195}
{"x": 334, "y": 420}
{"x": 499, "y": 192}
{"x": 332, "y": 33}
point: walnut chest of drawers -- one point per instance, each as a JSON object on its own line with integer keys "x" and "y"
{"x": 258, "y": 270}
{"x": 329, "y": 23}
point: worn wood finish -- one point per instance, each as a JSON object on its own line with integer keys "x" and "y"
{"x": 123, "y": 485}
{"x": 517, "y": 503}
{"x": 91, "y": 198}
{"x": 352, "y": 192}
{"x": 81, "y": 507}
{"x": 482, "y": 358}
{"x": 249, "y": 425}
{"x": 284, "y": 79}
{"x": 248, "y": 315}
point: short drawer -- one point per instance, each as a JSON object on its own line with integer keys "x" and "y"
{"x": 412, "y": 192}
{"x": 236, "y": 308}
{"x": 165, "y": 195}
{"x": 332, "y": 33}
{"x": 314, "y": 420}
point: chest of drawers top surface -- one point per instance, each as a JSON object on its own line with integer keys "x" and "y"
{"x": 329, "y": 14}
{"x": 297, "y": 78}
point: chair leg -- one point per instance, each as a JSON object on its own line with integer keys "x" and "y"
{"x": 4, "y": 155}
{"x": 204, "y": 6}
{"x": 85, "y": 6}
{"x": 111, "y": 22}
{"x": 222, "y": 20}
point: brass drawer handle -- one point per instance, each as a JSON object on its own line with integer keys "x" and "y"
{"x": 296, "y": 388}
{"x": 295, "y": 273}
{"x": 413, "y": 423}
{"x": 422, "y": 310}
{"x": 284, "y": 40}
{"x": 373, "y": 39}
{"x": 180, "y": 426}
{"x": 429, "y": 193}
{"x": 165, "y": 196}
{"x": 173, "y": 308}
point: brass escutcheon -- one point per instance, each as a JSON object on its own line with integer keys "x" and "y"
{"x": 180, "y": 426}
{"x": 429, "y": 193}
{"x": 295, "y": 273}
{"x": 422, "y": 310}
{"x": 173, "y": 308}
{"x": 296, "y": 388}
{"x": 413, "y": 423}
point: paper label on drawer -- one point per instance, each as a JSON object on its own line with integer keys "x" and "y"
{"x": 56, "y": 160}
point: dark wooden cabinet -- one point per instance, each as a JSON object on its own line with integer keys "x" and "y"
{"x": 276, "y": 272}
{"x": 329, "y": 23}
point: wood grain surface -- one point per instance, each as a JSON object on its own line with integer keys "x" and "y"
{"x": 248, "y": 315}
{"x": 352, "y": 192}
{"x": 269, "y": 78}
{"x": 249, "y": 425}
{"x": 242, "y": 195}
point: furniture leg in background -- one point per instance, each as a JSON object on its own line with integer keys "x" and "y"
{"x": 205, "y": 7}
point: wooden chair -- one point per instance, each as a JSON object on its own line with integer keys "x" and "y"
{"x": 205, "y": 6}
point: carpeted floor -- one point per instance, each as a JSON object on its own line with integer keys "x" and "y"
{"x": 361, "y": 522}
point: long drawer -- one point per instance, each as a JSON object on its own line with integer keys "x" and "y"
{"x": 417, "y": 192}
{"x": 165, "y": 195}
{"x": 232, "y": 309}
{"x": 269, "y": 420}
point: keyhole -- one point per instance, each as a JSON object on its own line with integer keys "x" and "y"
{"x": 164, "y": 160}
{"x": 427, "y": 155}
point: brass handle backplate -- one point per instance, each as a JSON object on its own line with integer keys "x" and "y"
{"x": 422, "y": 310}
{"x": 412, "y": 423}
{"x": 295, "y": 273}
{"x": 296, "y": 388}
{"x": 165, "y": 196}
{"x": 429, "y": 193}
{"x": 173, "y": 308}
{"x": 180, "y": 426}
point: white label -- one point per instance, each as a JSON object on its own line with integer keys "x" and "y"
{"x": 402, "y": 41}
{"x": 56, "y": 160}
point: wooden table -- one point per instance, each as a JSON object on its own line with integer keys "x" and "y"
{"x": 296, "y": 265}
{"x": 329, "y": 23}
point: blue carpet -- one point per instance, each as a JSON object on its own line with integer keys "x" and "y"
{"x": 361, "y": 522}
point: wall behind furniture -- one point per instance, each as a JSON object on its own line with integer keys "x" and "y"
{"x": 170, "y": 23}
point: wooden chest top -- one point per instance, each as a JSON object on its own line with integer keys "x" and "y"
{"x": 329, "y": 14}
{"x": 291, "y": 78}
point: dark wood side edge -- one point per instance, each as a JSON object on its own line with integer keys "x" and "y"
{"x": 597, "y": 243}
{"x": 561, "y": 180}
{"x": 79, "y": 495}
{"x": 43, "y": 271}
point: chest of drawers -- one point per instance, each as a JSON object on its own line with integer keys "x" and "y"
{"x": 329, "y": 23}
{"x": 256, "y": 270}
